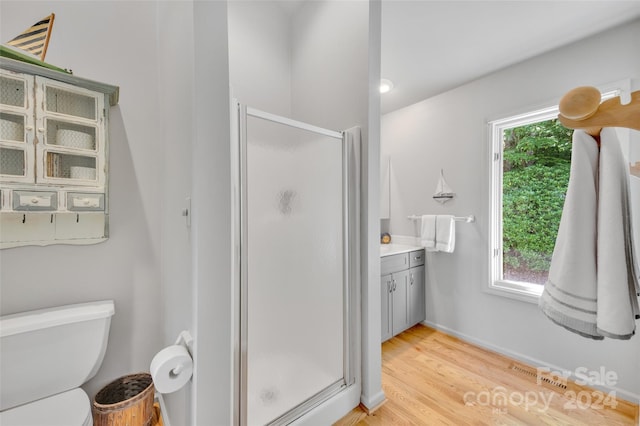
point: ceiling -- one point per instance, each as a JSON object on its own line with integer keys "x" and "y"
{"x": 429, "y": 47}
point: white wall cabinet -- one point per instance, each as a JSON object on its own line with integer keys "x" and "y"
{"x": 402, "y": 292}
{"x": 53, "y": 156}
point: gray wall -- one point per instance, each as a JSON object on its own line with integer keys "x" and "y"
{"x": 449, "y": 131}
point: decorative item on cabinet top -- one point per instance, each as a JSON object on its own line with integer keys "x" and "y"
{"x": 54, "y": 145}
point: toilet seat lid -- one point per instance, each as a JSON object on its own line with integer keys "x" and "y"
{"x": 69, "y": 408}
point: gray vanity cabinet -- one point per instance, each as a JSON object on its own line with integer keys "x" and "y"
{"x": 386, "y": 299}
{"x": 402, "y": 292}
{"x": 416, "y": 299}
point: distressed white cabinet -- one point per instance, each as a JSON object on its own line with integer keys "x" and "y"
{"x": 402, "y": 292}
{"x": 53, "y": 156}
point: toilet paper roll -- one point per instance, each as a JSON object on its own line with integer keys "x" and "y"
{"x": 171, "y": 368}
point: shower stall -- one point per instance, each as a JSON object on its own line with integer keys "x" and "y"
{"x": 296, "y": 265}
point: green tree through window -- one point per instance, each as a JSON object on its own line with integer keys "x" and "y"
{"x": 536, "y": 163}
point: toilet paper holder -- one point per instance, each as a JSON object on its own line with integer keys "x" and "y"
{"x": 185, "y": 339}
{"x": 172, "y": 367}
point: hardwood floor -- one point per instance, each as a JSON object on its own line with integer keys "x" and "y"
{"x": 431, "y": 378}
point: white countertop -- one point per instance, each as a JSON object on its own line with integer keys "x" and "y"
{"x": 390, "y": 249}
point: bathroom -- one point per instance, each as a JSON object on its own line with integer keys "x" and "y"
{"x": 174, "y": 100}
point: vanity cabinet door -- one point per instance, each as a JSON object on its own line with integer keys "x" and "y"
{"x": 386, "y": 307}
{"x": 400, "y": 310}
{"x": 416, "y": 295}
{"x": 402, "y": 292}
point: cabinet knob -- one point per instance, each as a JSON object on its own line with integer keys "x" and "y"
{"x": 34, "y": 201}
{"x": 29, "y": 128}
{"x": 41, "y": 129}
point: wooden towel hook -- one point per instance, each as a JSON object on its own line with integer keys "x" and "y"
{"x": 580, "y": 108}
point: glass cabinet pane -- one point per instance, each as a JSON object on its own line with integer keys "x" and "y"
{"x": 12, "y": 127}
{"x": 12, "y": 92}
{"x": 12, "y": 162}
{"x": 70, "y": 135}
{"x": 65, "y": 166}
{"x": 69, "y": 103}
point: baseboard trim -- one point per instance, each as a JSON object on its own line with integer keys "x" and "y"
{"x": 370, "y": 411}
{"x": 369, "y": 405}
{"x": 620, "y": 393}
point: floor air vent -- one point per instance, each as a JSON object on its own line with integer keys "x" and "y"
{"x": 545, "y": 377}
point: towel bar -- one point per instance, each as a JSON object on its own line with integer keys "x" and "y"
{"x": 467, "y": 219}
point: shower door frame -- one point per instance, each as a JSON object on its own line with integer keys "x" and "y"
{"x": 350, "y": 273}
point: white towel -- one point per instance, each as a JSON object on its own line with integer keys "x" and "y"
{"x": 428, "y": 232}
{"x": 570, "y": 295}
{"x": 617, "y": 280}
{"x": 445, "y": 233}
{"x": 593, "y": 279}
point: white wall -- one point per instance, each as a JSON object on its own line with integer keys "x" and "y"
{"x": 175, "y": 53}
{"x": 211, "y": 229}
{"x": 449, "y": 131}
{"x": 260, "y": 55}
{"x": 101, "y": 41}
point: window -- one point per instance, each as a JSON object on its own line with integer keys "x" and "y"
{"x": 530, "y": 172}
{"x": 531, "y": 160}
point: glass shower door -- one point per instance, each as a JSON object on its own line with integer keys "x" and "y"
{"x": 294, "y": 276}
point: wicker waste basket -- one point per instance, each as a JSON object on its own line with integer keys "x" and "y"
{"x": 127, "y": 401}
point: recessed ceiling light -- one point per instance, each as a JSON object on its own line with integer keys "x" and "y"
{"x": 385, "y": 85}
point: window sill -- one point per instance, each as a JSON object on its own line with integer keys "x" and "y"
{"x": 525, "y": 292}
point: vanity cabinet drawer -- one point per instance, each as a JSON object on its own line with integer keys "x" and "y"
{"x": 416, "y": 258}
{"x": 85, "y": 202}
{"x": 34, "y": 200}
{"x": 395, "y": 263}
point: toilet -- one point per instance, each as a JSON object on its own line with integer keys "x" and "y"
{"x": 45, "y": 356}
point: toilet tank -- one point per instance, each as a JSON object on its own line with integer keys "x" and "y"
{"x": 49, "y": 351}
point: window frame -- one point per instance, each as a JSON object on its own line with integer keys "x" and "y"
{"x": 529, "y": 292}
{"x": 520, "y": 290}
